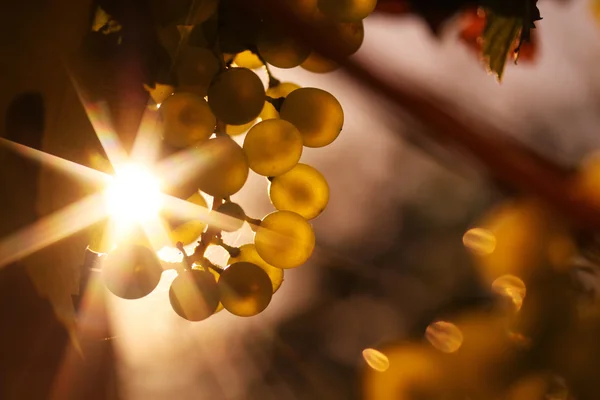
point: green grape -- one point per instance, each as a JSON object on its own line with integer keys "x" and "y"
{"x": 248, "y": 254}
{"x": 284, "y": 239}
{"x": 348, "y": 36}
{"x": 195, "y": 69}
{"x": 347, "y": 10}
{"x": 247, "y": 59}
{"x": 234, "y": 130}
{"x": 224, "y": 169}
{"x": 273, "y": 147}
{"x": 187, "y": 231}
{"x": 318, "y": 64}
{"x": 281, "y": 51}
{"x": 236, "y": 96}
{"x": 236, "y": 214}
{"x": 302, "y": 190}
{"x": 186, "y": 119}
{"x": 131, "y": 271}
{"x": 194, "y": 295}
{"x": 316, "y": 113}
{"x": 280, "y": 90}
{"x": 245, "y": 288}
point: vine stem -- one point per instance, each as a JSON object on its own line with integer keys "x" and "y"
{"x": 507, "y": 161}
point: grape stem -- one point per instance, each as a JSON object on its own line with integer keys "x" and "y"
{"x": 233, "y": 251}
{"x": 273, "y": 82}
{"x": 253, "y": 222}
{"x": 276, "y": 102}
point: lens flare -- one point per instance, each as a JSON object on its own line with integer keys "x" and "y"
{"x": 133, "y": 195}
{"x": 376, "y": 359}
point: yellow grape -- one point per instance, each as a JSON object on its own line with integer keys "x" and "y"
{"x": 247, "y": 59}
{"x": 187, "y": 231}
{"x": 302, "y": 190}
{"x": 248, "y": 253}
{"x": 237, "y": 214}
{"x": 195, "y": 69}
{"x": 284, "y": 239}
{"x": 273, "y": 147}
{"x": 225, "y": 167}
{"x": 194, "y": 295}
{"x": 318, "y": 64}
{"x": 316, "y": 113}
{"x": 268, "y": 112}
{"x": 282, "y": 51}
{"x": 245, "y": 289}
{"x": 186, "y": 119}
{"x": 281, "y": 90}
{"x": 236, "y": 96}
{"x": 131, "y": 271}
{"x": 347, "y": 10}
{"x": 234, "y": 130}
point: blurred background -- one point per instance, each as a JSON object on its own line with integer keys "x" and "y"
{"x": 390, "y": 257}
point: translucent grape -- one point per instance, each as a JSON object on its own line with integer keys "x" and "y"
{"x": 247, "y": 59}
{"x": 347, "y": 10}
{"x": 282, "y": 51}
{"x": 236, "y": 96}
{"x": 187, "y": 231}
{"x": 302, "y": 190}
{"x": 245, "y": 288}
{"x": 186, "y": 119}
{"x": 316, "y": 113}
{"x": 284, "y": 239}
{"x": 318, "y": 64}
{"x": 131, "y": 271}
{"x": 249, "y": 254}
{"x": 233, "y": 210}
{"x": 273, "y": 147}
{"x": 224, "y": 169}
{"x": 195, "y": 69}
{"x": 194, "y": 295}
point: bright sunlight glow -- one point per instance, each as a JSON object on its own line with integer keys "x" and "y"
{"x": 133, "y": 195}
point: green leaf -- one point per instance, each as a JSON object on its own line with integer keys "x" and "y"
{"x": 499, "y": 37}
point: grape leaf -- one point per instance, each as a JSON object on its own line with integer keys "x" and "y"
{"x": 499, "y": 37}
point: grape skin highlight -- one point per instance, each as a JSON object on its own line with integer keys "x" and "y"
{"x": 245, "y": 289}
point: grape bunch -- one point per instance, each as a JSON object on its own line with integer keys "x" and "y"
{"x": 217, "y": 50}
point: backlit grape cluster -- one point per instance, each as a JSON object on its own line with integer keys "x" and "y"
{"x": 217, "y": 50}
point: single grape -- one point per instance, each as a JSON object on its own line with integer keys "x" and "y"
{"x": 304, "y": 9}
{"x": 186, "y": 119}
{"x": 284, "y": 239}
{"x": 316, "y": 113}
{"x": 247, "y": 59}
{"x": 281, "y": 51}
{"x": 236, "y": 96}
{"x": 131, "y": 271}
{"x": 224, "y": 169}
{"x": 245, "y": 288}
{"x": 318, "y": 64}
{"x": 196, "y": 68}
{"x": 236, "y": 215}
{"x": 187, "y": 231}
{"x": 194, "y": 295}
{"x": 273, "y": 147}
{"x": 268, "y": 112}
{"x": 302, "y": 190}
{"x": 248, "y": 254}
{"x": 347, "y": 10}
